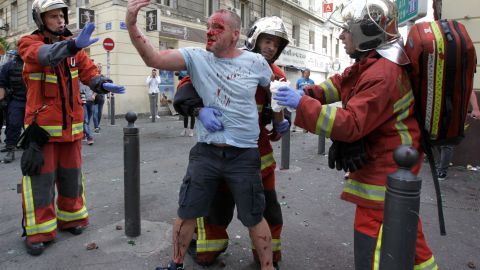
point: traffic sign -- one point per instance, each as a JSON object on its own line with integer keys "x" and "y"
{"x": 410, "y": 10}
{"x": 108, "y": 44}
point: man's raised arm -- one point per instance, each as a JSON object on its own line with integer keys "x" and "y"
{"x": 166, "y": 59}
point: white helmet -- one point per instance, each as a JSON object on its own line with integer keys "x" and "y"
{"x": 268, "y": 25}
{"x": 372, "y": 22}
{"x": 42, "y": 6}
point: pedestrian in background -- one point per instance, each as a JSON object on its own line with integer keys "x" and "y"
{"x": 98, "y": 105}
{"x": 377, "y": 116}
{"x": 301, "y": 83}
{"x": 54, "y": 63}
{"x": 88, "y": 97}
{"x": 153, "y": 82}
{"x": 186, "y": 131}
{"x": 11, "y": 79}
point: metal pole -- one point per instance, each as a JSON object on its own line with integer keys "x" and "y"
{"x": 131, "y": 160}
{"x": 285, "y": 154}
{"x": 112, "y": 96}
{"x": 401, "y": 211}
{"x": 321, "y": 144}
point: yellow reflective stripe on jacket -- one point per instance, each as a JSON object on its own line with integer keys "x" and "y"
{"x": 71, "y": 216}
{"x": 276, "y": 245}
{"x": 325, "y": 120}
{"x": 266, "y": 161}
{"x": 259, "y": 108}
{"x": 402, "y": 108}
{"x": 365, "y": 191}
{"x": 28, "y": 201}
{"x": 430, "y": 264}
{"x": 74, "y": 73}
{"x": 36, "y": 76}
{"x": 331, "y": 92}
{"x": 77, "y": 128}
{"x": 54, "y": 131}
{"x": 51, "y": 78}
{"x": 438, "y": 78}
{"x": 45, "y": 227}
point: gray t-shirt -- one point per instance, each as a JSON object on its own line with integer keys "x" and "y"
{"x": 229, "y": 85}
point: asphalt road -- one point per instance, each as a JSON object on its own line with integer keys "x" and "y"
{"x": 318, "y": 226}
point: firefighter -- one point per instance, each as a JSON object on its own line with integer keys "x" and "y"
{"x": 268, "y": 36}
{"x": 377, "y": 116}
{"x": 11, "y": 79}
{"x": 54, "y": 62}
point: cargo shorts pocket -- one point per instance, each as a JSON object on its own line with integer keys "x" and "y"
{"x": 184, "y": 188}
{"x": 258, "y": 198}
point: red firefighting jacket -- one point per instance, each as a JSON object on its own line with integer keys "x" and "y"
{"x": 264, "y": 147}
{"x": 378, "y": 106}
{"x": 53, "y": 93}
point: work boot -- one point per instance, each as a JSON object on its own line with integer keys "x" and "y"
{"x": 34, "y": 249}
{"x": 75, "y": 230}
{"x": 171, "y": 266}
{"x": 9, "y": 157}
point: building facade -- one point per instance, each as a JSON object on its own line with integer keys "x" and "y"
{"x": 176, "y": 24}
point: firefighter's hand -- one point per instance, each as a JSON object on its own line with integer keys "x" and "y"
{"x": 111, "y": 87}
{"x": 287, "y": 96}
{"x": 208, "y": 117}
{"x": 84, "y": 39}
{"x": 281, "y": 127}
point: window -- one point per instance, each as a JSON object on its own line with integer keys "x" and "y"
{"x": 168, "y": 3}
{"x": 245, "y": 14}
{"x": 311, "y": 40}
{"x": 296, "y": 34}
{"x": 29, "y": 12}
{"x": 82, "y": 3}
{"x": 324, "y": 44}
{"x": 212, "y": 5}
{"x": 14, "y": 14}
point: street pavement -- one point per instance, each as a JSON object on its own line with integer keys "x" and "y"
{"x": 318, "y": 226}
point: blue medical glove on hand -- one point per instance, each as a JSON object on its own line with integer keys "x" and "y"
{"x": 208, "y": 117}
{"x": 84, "y": 39}
{"x": 282, "y": 127}
{"x": 111, "y": 87}
{"x": 287, "y": 96}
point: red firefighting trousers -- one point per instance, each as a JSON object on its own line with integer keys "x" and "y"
{"x": 367, "y": 243}
{"x": 62, "y": 167}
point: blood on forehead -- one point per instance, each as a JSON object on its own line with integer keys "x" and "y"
{"x": 216, "y": 21}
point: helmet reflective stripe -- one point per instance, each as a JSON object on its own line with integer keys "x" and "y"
{"x": 268, "y": 25}
{"x": 372, "y": 23}
{"x": 42, "y": 6}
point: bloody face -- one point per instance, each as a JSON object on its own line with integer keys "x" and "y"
{"x": 218, "y": 33}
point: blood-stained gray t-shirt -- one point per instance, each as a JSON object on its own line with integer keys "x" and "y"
{"x": 229, "y": 85}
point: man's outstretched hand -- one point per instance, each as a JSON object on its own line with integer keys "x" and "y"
{"x": 84, "y": 39}
{"x": 111, "y": 87}
{"x": 133, "y": 7}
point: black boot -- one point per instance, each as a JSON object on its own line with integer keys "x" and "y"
{"x": 75, "y": 230}
{"x": 34, "y": 249}
{"x": 9, "y": 157}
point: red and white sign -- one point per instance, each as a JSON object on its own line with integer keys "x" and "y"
{"x": 328, "y": 7}
{"x": 108, "y": 44}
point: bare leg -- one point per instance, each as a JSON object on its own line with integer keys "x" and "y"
{"x": 182, "y": 235}
{"x": 262, "y": 240}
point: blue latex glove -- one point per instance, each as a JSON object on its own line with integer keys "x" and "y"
{"x": 287, "y": 96}
{"x": 282, "y": 127}
{"x": 111, "y": 87}
{"x": 84, "y": 39}
{"x": 208, "y": 117}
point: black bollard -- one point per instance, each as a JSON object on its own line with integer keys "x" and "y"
{"x": 131, "y": 159}
{"x": 321, "y": 144}
{"x": 112, "y": 109}
{"x": 285, "y": 153}
{"x": 402, "y": 205}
